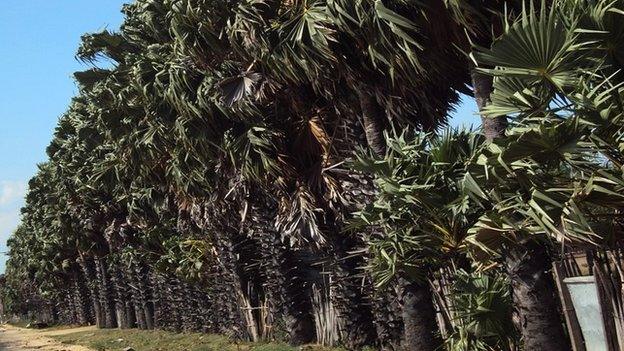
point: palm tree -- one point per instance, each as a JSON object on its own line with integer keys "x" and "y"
{"x": 540, "y": 68}
{"x": 425, "y": 218}
{"x": 219, "y": 122}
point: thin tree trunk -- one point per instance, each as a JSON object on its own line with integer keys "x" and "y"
{"x": 419, "y": 318}
{"x": 374, "y": 119}
{"x": 482, "y": 88}
{"x": 535, "y": 299}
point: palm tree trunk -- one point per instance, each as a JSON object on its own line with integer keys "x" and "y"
{"x": 528, "y": 263}
{"x": 136, "y": 296}
{"x": 419, "y": 317}
{"x": 139, "y": 313}
{"x": 297, "y": 293}
{"x": 535, "y": 299}
{"x": 156, "y": 281}
{"x": 482, "y": 88}
{"x": 119, "y": 297}
{"x": 223, "y": 220}
{"x": 387, "y": 310}
{"x": 285, "y": 281}
{"x": 350, "y": 297}
{"x": 420, "y": 328}
{"x": 90, "y": 275}
{"x": 81, "y": 298}
{"x": 163, "y": 311}
{"x": 69, "y": 307}
{"x": 148, "y": 312}
{"x": 104, "y": 291}
{"x": 374, "y": 120}
{"x": 128, "y": 297}
{"x": 145, "y": 294}
{"x": 176, "y": 305}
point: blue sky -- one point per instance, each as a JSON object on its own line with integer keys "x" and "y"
{"x": 38, "y": 40}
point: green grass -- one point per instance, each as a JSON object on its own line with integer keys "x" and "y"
{"x": 157, "y": 340}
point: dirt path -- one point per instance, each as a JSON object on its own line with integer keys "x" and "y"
{"x": 14, "y": 339}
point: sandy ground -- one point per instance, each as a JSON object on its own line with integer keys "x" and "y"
{"x": 13, "y": 339}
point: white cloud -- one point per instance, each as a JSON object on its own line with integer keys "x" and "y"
{"x": 12, "y": 192}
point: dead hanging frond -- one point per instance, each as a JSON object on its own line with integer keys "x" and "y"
{"x": 297, "y": 219}
{"x": 238, "y": 87}
{"x": 311, "y": 140}
{"x": 326, "y": 316}
{"x": 314, "y": 142}
{"x": 317, "y": 129}
{"x": 333, "y": 194}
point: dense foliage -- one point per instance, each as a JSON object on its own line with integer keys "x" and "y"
{"x": 275, "y": 169}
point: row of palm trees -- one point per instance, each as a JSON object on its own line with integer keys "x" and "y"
{"x": 275, "y": 169}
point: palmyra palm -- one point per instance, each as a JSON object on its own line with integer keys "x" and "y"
{"x": 207, "y": 158}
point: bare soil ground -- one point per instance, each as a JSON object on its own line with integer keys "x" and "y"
{"x": 14, "y": 339}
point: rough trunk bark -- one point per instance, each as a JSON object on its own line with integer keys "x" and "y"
{"x": 350, "y": 296}
{"x": 119, "y": 297}
{"x": 140, "y": 316}
{"x": 388, "y": 311}
{"x": 176, "y": 306}
{"x": 535, "y": 299}
{"x": 81, "y": 299}
{"x": 419, "y": 318}
{"x": 106, "y": 301}
{"x": 129, "y": 300}
{"x": 144, "y": 294}
{"x": 88, "y": 269}
{"x": 69, "y": 309}
{"x": 284, "y": 275}
{"x": 224, "y": 221}
{"x": 297, "y": 298}
{"x": 130, "y": 314}
{"x": 137, "y": 296}
{"x": 148, "y": 312}
{"x": 482, "y": 88}
{"x": 374, "y": 120}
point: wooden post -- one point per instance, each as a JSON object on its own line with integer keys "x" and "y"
{"x": 604, "y": 295}
{"x": 618, "y": 305}
{"x": 574, "y": 329}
